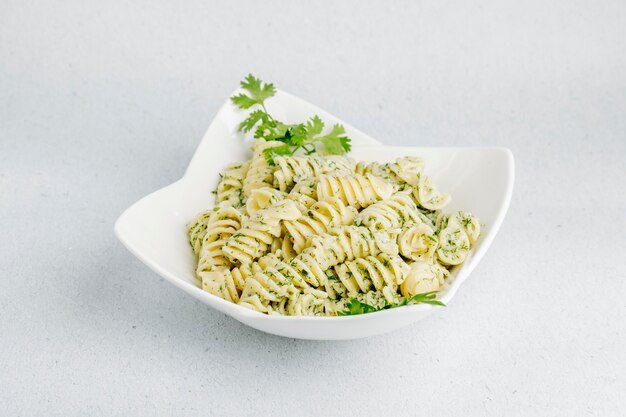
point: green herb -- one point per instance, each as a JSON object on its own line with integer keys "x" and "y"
{"x": 423, "y": 298}
{"x": 355, "y": 306}
{"x": 306, "y": 136}
{"x": 259, "y": 92}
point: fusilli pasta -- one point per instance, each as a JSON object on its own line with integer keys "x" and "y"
{"x": 293, "y": 169}
{"x": 260, "y": 173}
{"x": 229, "y": 188}
{"x": 308, "y": 235}
{"x": 319, "y": 218}
{"x": 257, "y": 233}
{"x": 354, "y": 189}
{"x": 392, "y": 213}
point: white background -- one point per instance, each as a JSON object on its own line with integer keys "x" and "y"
{"x": 103, "y": 102}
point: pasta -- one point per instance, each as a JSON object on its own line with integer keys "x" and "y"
{"x": 220, "y": 227}
{"x": 260, "y": 173}
{"x": 408, "y": 169}
{"x": 423, "y": 277}
{"x": 293, "y": 169}
{"x": 263, "y": 197}
{"x": 383, "y": 273}
{"x": 458, "y": 233}
{"x": 391, "y": 213}
{"x": 453, "y": 245}
{"x": 382, "y": 171}
{"x": 427, "y": 195}
{"x": 318, "y": 219}
{"x": 283, "y": 248}
{"x": 309, "y": 302}
{"x": 197, "y": 230}
{"x": 304, "y": 192}
{"x": 253, "y": 239}
{"x": 348, "y": 243}
{"x": 354, "y": 189}
{"x": 229, "y": 189}
{"x": 269, "y": 285}
{"x": 308, "y": 235}
{"x": 418, "y": 242}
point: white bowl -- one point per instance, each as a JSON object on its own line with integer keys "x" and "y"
{"x": 154, "y": 228}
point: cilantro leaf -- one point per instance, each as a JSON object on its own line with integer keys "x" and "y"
{"x": 272, "y": 130}
{"x": 336, "y": 142}
{"x": 258, "y": 92}
{"x": 298, "y": 134}
{"x": 243, "y": 101}
{"x": 315, "y": 125}
{"x": 305, "y": 136}
{"x": 252, "y": 119}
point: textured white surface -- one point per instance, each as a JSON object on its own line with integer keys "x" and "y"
{"x": 100, "y": 104}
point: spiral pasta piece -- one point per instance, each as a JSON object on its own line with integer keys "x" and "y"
{"x": 257, "y": 233}
{"x": 382, "y": 171}
{"x": 229, "y": 283}
{"x": 260, "y": 172}
{"x": 283, "y": 248}
{"x": 285, "y": 279}
{"x": 428, "y": 196}
{"x": 229, "y": 188}
{"x": 470, "y": 224}
{"x": 423, "y": 277}
{"x": 354, "y": 189}
{"x": 308, "y": 268}
{"x": 263, "y": 288}
{"x": 383, "y": 273}
{"x": 221, "y": 226}
{"x": 220, "y": 283}
{"x": 309, "y": 302}
{"x": 197, "y": 230}
{"x": 392, "y": 213}
{"x": 293, "y": 169}
{"x": 347, "y": 243}
{"x": 408, "y": 169}
{"x": 304, "y": 192}
{"x": 418, "y": 242}
{"x": 454, "y": 244}
{"x": 318, "y": 219}
{"x": 277, "y": 280}
{"x": 261, "y": 198}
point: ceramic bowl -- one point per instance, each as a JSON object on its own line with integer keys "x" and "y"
{"x": 480, "y": 180}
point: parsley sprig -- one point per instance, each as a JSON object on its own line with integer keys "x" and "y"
{"x": 355, "y": 306}
{"x": 306, "y": 136}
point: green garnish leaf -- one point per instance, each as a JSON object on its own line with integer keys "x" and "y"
{"x": 315, "y": 125}
{"x": 252, "y": 119}
{"x": 272, "y": 130}
{"x": 258, "y": 92}
{"x": 355, "y": 306}
{"x": 426, "y": 298}
{"x": 336, "y": 142}
{"x": 305, "y": 136}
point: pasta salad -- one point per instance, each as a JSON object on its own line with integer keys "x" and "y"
{"x": 302, "y": 230}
